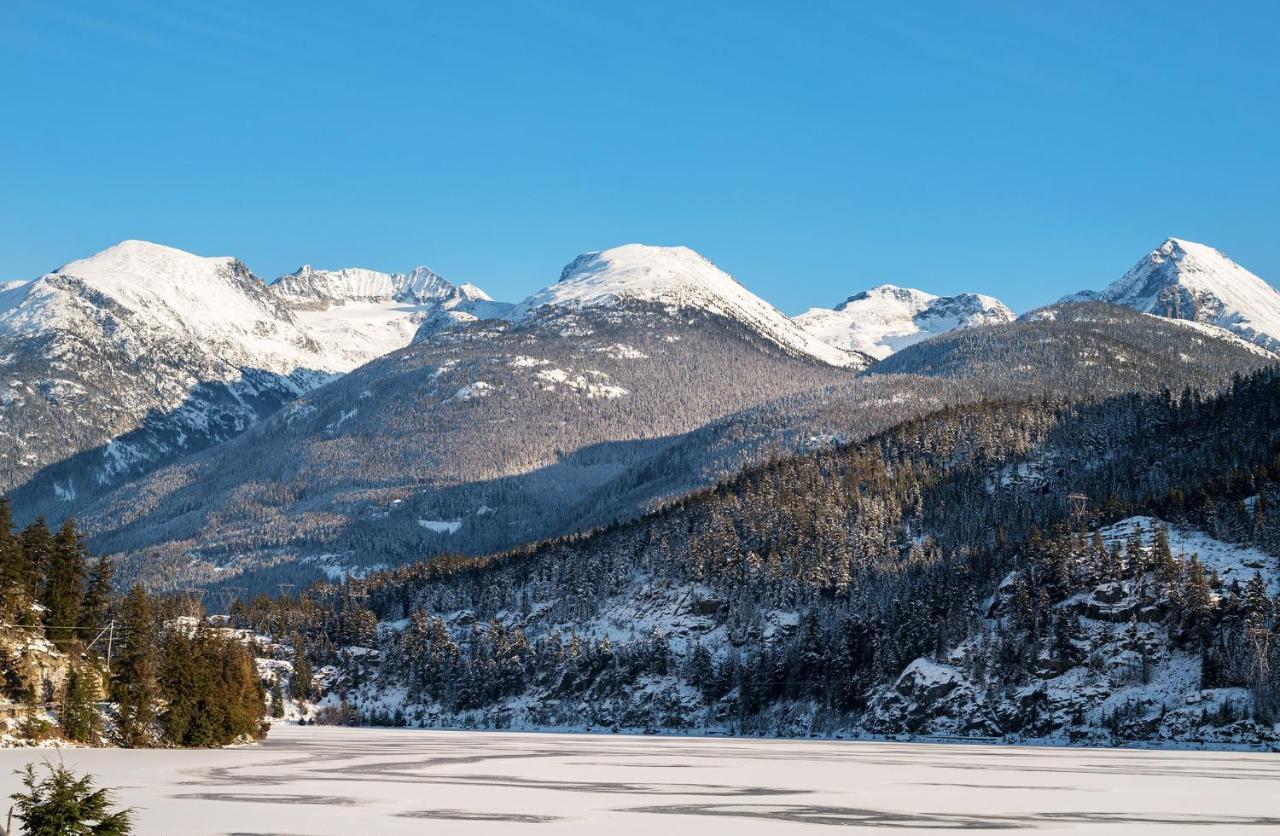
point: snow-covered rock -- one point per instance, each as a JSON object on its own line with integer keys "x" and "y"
{"x": 360, "y": 314}
{"x": 356, "y": 284}
{"x": 678, "y": 278}
{"x": 1185, "y": 280}
{"x": 1120, "y": 674}
{"x": 884, "y": 319}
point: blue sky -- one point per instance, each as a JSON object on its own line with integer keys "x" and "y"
{"x": 811, "y": 149}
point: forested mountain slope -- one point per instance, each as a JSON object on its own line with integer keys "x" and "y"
{"x": 499, "y": 433}
{"x": 1089, "y": 349}
{"x": 797, "y": 596}
{"x": 480, "y": 437}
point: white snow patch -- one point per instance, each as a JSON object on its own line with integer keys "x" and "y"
{"x": 441, "y": 526}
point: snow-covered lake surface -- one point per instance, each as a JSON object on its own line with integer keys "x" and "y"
{"x": 322, "y": 781}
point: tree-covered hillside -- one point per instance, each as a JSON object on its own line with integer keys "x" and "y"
{"x": 799, "y": 591}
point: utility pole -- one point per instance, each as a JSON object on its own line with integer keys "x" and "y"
{"x": 1078, "y": 503}
{"x": 229, "y": 594}
{"x": 109, "y": 631}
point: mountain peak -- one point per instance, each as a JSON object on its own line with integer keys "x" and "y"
{"x": 887, "y": 318}
{"x": 1182, "y": 279}
{"x": 145, "y": 261}
{"x": 907, "y": 295}
{"x": 675, "y": 278}
{"x": 639, "y": 270}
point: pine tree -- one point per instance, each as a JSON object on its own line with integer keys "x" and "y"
{"x": 37, "y": 548}
{"x": 96, "y": 607}
{"x": 300, "y": 682}
{"x": 1197, "y": 598}
{"x": 64, "y": 805}
{"x": 64, "y": 585}
{"x": 77, "y": 714}
{"x": 1257, "y": 602}
{"x": 135, "y": 687}
{"x": 13, "y": 567}
{"x": 277, "y": 699}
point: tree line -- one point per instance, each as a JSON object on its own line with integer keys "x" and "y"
{"x": 133, "y": 669}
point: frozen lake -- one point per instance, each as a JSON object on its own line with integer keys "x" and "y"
{"x": 339, "y": 781}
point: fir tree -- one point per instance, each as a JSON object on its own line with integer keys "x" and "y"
{"x": 134, "y": 684}
{"x": 77, "y": 714}
{"x": 64, "y": 585}
{"x": 37, "y": 548}
{"x": 96, "y": 607}
{"x": 300, "y": 682}
{"x": 277, "y": 699}
{"x": 13, "y": 567}
{"x": 62, "y": 804}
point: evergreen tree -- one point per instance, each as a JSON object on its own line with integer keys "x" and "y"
{"x": 277, "y": 699}
{"x": 37, "y": 548}
{"x": 64, "y": 585}
{"x": 300, "y": 682}
{"x": 77, "y": 714}
{"x": 13, "y": 567}
{"x": 211, "y": 690}
{"x": 134, "y": 684}
{"x": 1197, "y": 598}
{"x": 62, "y": 804}
{"x": 96, "y": 607}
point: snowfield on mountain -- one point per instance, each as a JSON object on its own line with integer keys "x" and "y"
{"x": 884, "y": 319}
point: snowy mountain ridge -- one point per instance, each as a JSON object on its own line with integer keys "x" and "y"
{"x": 360, "y": 314}
{"x": 679, "y": 278}
{"x": 1184, "y": 280}
{"x": 887, "y": 318}
{"x": 216, "y": 304}
{"x": 307, "y": 284}
{"x": 143, "y": 352}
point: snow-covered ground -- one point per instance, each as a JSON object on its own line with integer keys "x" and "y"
{"x": 320, "y": 781}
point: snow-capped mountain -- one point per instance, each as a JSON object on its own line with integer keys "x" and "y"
{"x": 495, "y": 432}
{"x": 677, "y": 278}
{"x": 215, "y": 303}
{"x": 360, "y": 314}
{"x": 1185, "y": 280}
{"x": 140, "y": 351}
{"x": 115, "y": 363}
{"x": 884, "y": 319}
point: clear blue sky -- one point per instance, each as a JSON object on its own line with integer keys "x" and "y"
{"x": 811, "y": 149}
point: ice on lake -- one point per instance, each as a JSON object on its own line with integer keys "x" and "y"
{"x": 316, "y": 781}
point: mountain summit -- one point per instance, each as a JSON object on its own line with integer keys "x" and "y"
{"x": 142, "y": 353}
{"x": 886, "y": 318}
{"x": 677, "y": 278}
{"x": 1185, "y": 280}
